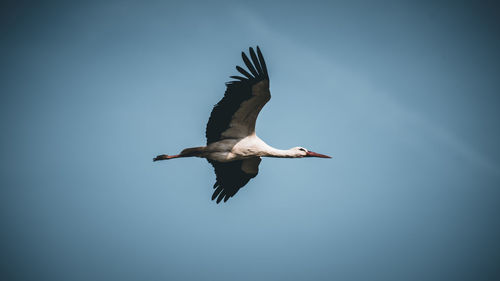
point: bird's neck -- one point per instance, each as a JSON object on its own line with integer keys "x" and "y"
{"x": 273, "y": 152}
{"x": 266, "y": 150}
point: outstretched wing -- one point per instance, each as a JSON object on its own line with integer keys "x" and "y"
{"x": 235, "y": 114}
{"x": 231, "y": 176}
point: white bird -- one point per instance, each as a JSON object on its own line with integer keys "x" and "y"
{"x": 233, "y": 148}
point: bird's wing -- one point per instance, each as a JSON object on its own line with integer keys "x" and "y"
{"x": 231, "y": 176}
{"x": 235, "y": 114}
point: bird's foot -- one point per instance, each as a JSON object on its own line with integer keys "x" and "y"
{"x": 161, "y": 157}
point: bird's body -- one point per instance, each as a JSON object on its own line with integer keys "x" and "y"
{"x": 228, "y": 150}
{"x": 233, "y": 148}
{"x": 239, "y": 149}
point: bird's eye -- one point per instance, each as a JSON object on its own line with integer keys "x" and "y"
{"x": 302, "y": 149}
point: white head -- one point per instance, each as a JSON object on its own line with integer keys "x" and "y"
{"x": 302, "y": 152}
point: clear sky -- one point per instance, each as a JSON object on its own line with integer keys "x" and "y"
{"x": 403, "y": 95}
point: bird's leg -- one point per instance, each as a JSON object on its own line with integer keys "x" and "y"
{"x": 165, "y": 157}
{"x": 188, "y": 152}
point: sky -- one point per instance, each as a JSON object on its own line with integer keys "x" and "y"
{"x": 403, "y": 95}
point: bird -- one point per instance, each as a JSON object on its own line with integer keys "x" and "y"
{"x": 232, "y": 147}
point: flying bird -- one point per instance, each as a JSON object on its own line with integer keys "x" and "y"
{"x": 233, "y": 148}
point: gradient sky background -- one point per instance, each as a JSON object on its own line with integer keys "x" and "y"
{"x": 404, "y": 95}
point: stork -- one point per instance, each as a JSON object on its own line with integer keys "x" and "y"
{"x": 233, "y": 148}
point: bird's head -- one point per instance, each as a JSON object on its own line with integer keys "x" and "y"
{"x": 302, "y": 152}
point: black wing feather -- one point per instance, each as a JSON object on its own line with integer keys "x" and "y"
{"x": 262, "y": 63}
{"x": 255, "y": 60}
{"x": 238, "y": 77}
{"x": 229, "y": 179}
{"x": 244, "y": 72}
{"x": 237, "y": 92}
{"x": 249, "y": 64}
{"x": 217, "y": 191}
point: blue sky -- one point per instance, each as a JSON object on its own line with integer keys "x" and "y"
{"x": 403, "y": 95}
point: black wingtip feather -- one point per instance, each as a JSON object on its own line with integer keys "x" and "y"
{"x": 255, "y": 61}
{"x": 244, "y": 72}
{"x": 262, "y": 63}
{"x": 249, "y": 64}
{"x": 257, "y": 66}
{"x": 220, "y": 198}
{"x": 238, "y": 77}
{"x": 217, "y": 192}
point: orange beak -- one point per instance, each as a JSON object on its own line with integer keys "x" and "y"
{"x": 314, "y": 154}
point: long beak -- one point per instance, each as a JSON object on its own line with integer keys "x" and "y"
{"x": 314, "y": 154}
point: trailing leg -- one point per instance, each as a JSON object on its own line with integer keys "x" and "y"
{"x": 188, "y": 152}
